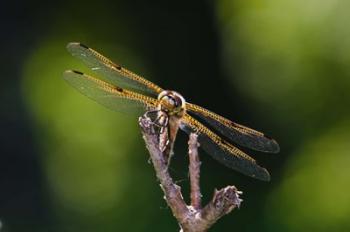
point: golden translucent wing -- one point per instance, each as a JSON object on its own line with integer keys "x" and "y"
{"x": 235, "y": 132}
{"x": 111, "y": 96}
{"x": 222, "y": 151}
{"x": 111, "y": 72}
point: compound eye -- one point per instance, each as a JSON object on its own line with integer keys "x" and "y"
{"x": 170, "y": 100}
{"x": 177, "y": 102}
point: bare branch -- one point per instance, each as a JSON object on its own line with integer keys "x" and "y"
{"x": 223, "y": 202}
{"x": 191, "y": 218}
{"x": 194, "y": 171}
{"x": 171, "y": 190}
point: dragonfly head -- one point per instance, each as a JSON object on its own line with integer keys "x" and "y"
{"x": 172, "y": 102}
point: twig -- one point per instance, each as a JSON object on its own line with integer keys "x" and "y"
{"x": 171, "y": 190}
{"x": 223, "y": 202}
{"x": 191, "y": 218}
{"x": 194, "y": 171}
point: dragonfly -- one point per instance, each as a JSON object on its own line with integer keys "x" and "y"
{"x": 119, "y": 89}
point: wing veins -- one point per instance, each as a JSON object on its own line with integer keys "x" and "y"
{"x": 111, "y": 72}
{"x": 108, "y": 94}
{"x": 235, "y": 132}
{"x": 223, "y": 151}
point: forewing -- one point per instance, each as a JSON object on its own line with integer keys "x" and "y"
{"x": 113, "y": 97}
{"x": 222, "y": 151}
{"x": 111, "y": 72}
{"x": 235, "y": 132}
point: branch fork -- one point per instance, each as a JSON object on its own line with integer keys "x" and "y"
{"x": 193, "y": 217}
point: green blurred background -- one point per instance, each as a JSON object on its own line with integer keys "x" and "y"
{"x": 281, "y": 67}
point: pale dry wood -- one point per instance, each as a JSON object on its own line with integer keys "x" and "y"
{"x": 191, "y": 218}
{"x": 194, "y": 171}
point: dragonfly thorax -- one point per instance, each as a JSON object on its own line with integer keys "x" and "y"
{"x": 172, "y": 102}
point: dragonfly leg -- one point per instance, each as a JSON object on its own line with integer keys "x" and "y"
{"x": 159, "y": 121}
{"x": 158, "y": 124}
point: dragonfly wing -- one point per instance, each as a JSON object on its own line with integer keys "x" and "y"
{"x": 235, "y": 132}
{"x": 111, "y": 72}
{"x": 222, "y": 151}
{"x": 113, "y": 97}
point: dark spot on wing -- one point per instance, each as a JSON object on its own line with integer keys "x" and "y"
{"x": 118, "y": 89}
{"x": 84, "y": 46}
{"x": 77, "y": 72}
{"x": 118, "y": 67}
